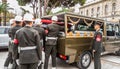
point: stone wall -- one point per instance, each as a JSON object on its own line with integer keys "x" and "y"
{"x": 98, "y": 9}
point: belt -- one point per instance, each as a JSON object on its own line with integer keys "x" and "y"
{"x": 41, "y": 40}
{"x": 11, "y": 41}
{"x": 54, "y": 38}
{"x": 27, "y": 48}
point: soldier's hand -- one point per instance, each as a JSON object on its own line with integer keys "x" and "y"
{"x": 17, "y": 61}
{"x": 94, "y": 51}
{"x": 43, "y": 49}
{"x": 39, "y": 63}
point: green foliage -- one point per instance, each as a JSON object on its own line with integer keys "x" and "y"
{"x": 82, "y": 2}
{"x": 52, "y": 3}
{"x": 3, "y": 7}
{"x": 23, "y": 2}
{"x": 71, "y": 3}
{"x": 55, "y": 3}
{"x": 63, "y": 3}
{"x": 63, "y": 10}
{"x": 24, "y": 11}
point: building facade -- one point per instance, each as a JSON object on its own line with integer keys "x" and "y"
{"x": 108, "y": 10}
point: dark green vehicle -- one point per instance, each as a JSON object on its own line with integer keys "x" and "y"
{"x": 75, "y": 42}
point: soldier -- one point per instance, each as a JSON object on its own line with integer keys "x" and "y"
{"x": 9, "y": 57}
{"x": 27, "y": 45}
{"x": 18, "y": 22}
{"x": 12, "y": 22}
{"x": 40, "y": 30}
{"x": 12, "y": 31}
{"x": 51, "y": 42}
{"x": 18, "y": 25}
{"x": 97, "y": 43}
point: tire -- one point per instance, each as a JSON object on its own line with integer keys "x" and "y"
{"x": 84, "y": 60}
{"x": 117, "y": 53}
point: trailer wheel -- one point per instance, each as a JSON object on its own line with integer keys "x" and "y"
{"x": 84, "y": 60}
{"x": 117, "y": 53}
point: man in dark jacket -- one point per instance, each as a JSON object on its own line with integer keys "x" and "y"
{"x": 41, "y": 31}
{"x": 51, "y": 42}
{"x": 27, "y": 45}
{"x": 18, "y": 22}
{"x": 9, "y": 57}
{"x": 12, "y": 31}
{"x": 97, "y": 45}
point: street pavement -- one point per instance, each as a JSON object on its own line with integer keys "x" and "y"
{"x": 108, "y": 62}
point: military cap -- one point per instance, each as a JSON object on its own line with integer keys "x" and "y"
{"x": 98, "y": 23}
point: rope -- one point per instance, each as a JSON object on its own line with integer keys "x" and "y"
{"x": 73, "y": 22}
{"x": 89, "y": 24}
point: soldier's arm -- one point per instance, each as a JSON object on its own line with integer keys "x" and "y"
{"x": 39, "y": 47}
{"x": 46, "y": 30}
{"x": 98, "y": 41}
{"x": 10, "y": 33}
{"x": 94, "y": 42}
{"x": 62, "y": 28}
{"x": 44, "y": 37}
{"x": 15, "y": 48}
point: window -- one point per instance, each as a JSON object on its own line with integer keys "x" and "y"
{"x": 82, "y": 26}
{"x": 98, "y": 11}
{"x": 110, "y": 27}
{"x": 81, "y": 12}
{"x": 113, "y": 8}
{"x": 110, "y": 30}
{"x": 4, "y": 30}
{"x": 92, "y": 12}
{"x": 87, "y": 13}
{"x": 117, "y": 30}
{"x": 106, "y": 9}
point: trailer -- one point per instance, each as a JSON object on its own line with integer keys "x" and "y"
{"x": 75, "y": 41}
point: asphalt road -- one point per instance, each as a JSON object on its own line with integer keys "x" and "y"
{"x": 108, "y": 62}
